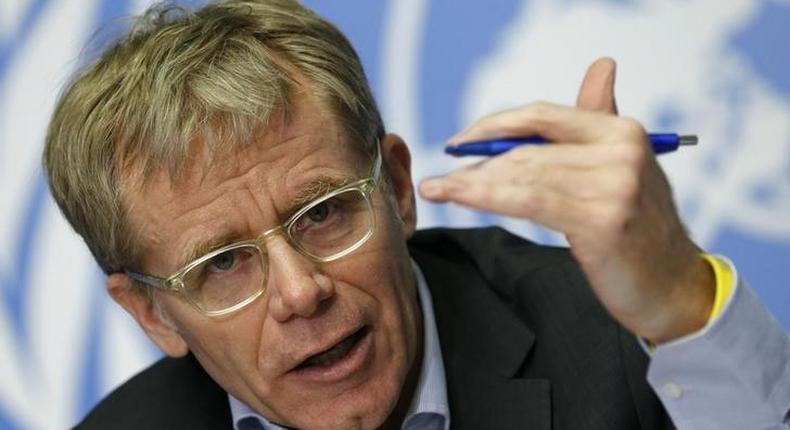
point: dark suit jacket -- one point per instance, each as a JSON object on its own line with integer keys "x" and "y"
{"x": 525, "y": 343}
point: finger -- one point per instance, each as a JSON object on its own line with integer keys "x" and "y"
{"x": 612, "y": 184}
{"x": 540, "y": 205}
{"x": 556, "y": 123}
{"x": 597, "y": 88}
{"x": 609, "y": 184}
{"x": 549, "y": 120}
{"x": 580, "y": 171}
{"x": 566, "y": 154}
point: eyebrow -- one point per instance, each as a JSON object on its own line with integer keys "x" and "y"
{"x": 203, "y": 247}
{"x": 315, "y": 189}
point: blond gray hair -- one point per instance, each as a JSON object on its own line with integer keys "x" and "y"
{"x": 216, "y": 74}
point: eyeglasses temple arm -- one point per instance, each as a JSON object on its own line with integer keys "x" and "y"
{"x": 152, "y": 281}
{"x": 376, "y": 170}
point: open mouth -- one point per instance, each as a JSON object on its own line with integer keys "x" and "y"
{"x": 334, "y": 354}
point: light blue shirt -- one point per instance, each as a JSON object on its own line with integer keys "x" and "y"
{"x": 429, "y": 409}
{"x": 734, "y": 374}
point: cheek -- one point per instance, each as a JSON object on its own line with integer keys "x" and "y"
{"x": 228, "y": 349}
{"x": 383, "y": 271}
{"x": 395, "y": 282}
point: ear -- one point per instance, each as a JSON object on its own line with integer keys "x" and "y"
{"x": 162, "y": 332}
{"x": 398, "y": 161}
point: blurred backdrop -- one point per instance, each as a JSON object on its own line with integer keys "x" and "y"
{"x": 717, "y": 69}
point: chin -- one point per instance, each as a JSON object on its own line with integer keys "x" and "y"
{"x": 365, "y": 407}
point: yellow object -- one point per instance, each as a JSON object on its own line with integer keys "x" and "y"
{"x": 725, "y": 284}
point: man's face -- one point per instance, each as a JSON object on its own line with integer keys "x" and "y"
{"x": 362, "y": 307}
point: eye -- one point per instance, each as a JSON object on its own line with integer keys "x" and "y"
{"x": 223, "y": 268}
{"x": 223, "y": 262}
{"x": 321, "y": 215}
{"x": 319, "y": 212}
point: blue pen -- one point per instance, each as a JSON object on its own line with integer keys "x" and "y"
{"x": 661, "y": 143}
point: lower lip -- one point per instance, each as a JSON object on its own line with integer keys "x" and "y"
{"x": 352, "y": 362}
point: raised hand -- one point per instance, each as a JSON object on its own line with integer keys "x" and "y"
{"x": 600, "y": 185}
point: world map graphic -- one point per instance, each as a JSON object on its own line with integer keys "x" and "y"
{"x": 717, "y": 69}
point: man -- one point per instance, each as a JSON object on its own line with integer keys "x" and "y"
{"x": 230, "y": 172}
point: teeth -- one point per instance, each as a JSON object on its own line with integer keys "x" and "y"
{"x": 335, "y": 353}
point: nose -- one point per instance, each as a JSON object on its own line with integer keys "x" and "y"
{"x": 296, "y": 287}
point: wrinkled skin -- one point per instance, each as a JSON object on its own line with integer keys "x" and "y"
{"x": 307, "y": 307}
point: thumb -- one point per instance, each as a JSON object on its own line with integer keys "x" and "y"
{"x": 597, "y": 89}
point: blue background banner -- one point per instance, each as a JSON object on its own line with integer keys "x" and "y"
{"x": 717, "y": 69}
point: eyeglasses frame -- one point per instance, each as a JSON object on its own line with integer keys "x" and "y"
{"x": 175, "y": 282}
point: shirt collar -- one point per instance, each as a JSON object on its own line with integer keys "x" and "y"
{"x": 429, "y": 404}
{"x": 429, "y": 409}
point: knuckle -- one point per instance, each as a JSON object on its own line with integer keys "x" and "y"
{"x": 616, "y": 220}
{"x": 541, "y": 107}
{"x": 487, "y": 121}
{"x": 486, "y": 125}
{"x": 531, "y": 203}
{"x": 630, "y": 154}
{"x": 523, "y": 156}
{"x": 632, "y": 128}
{"x": 540, "y": 115}
{"x": 624, "y": 185}
{"x": 479, "y": 196}
{"x": 629, "y": 186}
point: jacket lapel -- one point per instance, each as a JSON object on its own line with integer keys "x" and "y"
{"x": 205, "y": 398}
{"x": 483, "y": 346}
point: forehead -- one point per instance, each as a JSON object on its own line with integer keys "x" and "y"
{"x": 308, "y": 126}
{"x": 237, "y": 194}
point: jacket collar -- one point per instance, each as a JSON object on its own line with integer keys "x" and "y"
{"x": 484, "y": 344}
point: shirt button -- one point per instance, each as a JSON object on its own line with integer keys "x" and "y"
{"x": 673, "y": 390}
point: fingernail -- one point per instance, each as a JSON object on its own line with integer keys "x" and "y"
{"x": 430, "y": 188}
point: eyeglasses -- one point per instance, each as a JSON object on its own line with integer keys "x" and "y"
{"x": 231, "y": 277}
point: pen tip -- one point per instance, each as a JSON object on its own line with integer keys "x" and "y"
{"x": 688, "y": 140}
